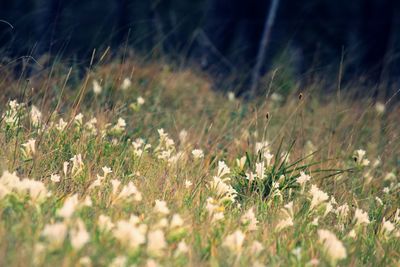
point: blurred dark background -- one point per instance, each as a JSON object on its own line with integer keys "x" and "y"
{"x": 221, "y": 36}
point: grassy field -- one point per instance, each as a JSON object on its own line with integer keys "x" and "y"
{"x": 141, "y": 165}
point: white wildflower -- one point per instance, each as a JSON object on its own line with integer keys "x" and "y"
{"x": 234, "y": 241}
{"x": 156, "y": 241}
{"x": 260, "y": 170}
{"x": 140, "y": 101}
{"x": 380, "y": 202}
{"x": 386, "y": 190}
{"x": 126, "y": 83}
{"x": 119, "y": 261}
{"x": 69, "y": 207}
{"x": 222, "y": 189}
{"x": 90, "y": 126}
{"x": 55, "y": 178}
{"x": 214, "y": 209}
{"x": 65, "y": 168}
{"x": 29, "y": 148}
{"x": 342, "y": 211}
{"x": 61, "y": 125}
{"x": 359, "y": 157}
{"x": 188, "y": 184}
{"x": 387, "y": 227}
{"x": 223, "y": 169}
{"x": 231, "y": 96}
{"x": 303, "y": 178}
{"x": 12, "y": 115}
{"x": 129, "y": 191}
{"x": 36, "y": 116}
{"x": 129, "y": 234}
{"x": 198, "y": 154}
{"x": 55, "y": 233}
{"x": 183, "y": 136}
{"x": 352, "y": 234}
{"x": 77, "y": 164}
{"x": 268, "y": 157}
{"x": 318, "y": 196}
{"x": 96, "y": 87}
{"x": 261, "y": 147}
{"x": 78, "y": 120}
{"x": 361, "y": 217}
{"x": 249, "y": 219}
{"x": 119, "y": 127}
{"x": 241, "y": 162}
{"x": 104, "y": 223}
{"x": 161, "y": 207}
{"x": 333, "y": 247}
{"x": 36, "y": 189}
{"x": 176, "y": 221}
{"x": 79, "y": 236}
{"x": 379, "y": 108}
{"x": 85, "y": 262}
{"x": 256, "y": 248}
{"x": 285, "y": 223}
{"x": 182, "y": 248}
{"x": 250, "y": 176}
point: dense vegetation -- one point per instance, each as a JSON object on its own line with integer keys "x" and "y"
{"x": 143, "y": 164}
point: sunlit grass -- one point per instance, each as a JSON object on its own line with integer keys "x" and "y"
{"x": 142, "y": 165}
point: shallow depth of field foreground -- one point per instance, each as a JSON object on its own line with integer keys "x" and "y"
{"x": 145, "y": 166}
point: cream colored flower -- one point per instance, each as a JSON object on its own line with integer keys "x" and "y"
{"x": 126, "y": 83}
{"x": 161, "y": 207}
{"x": 285, "y": 223}
{"x": 61, "y": 125}
{"x": 78, "y": 235}
{"x": 318, "y": 196}
{"x": 36, "y": 116}
{"x": 361, "y": 217}
{"x": 96, "y": 87}
{"x": 303, "y": 178}
{"x": 182, "y": 248}
{"x": 241, "y": 162}
{"x": 333, "y": 247}
{"x": 78, "y": 120}
{"x": 256, "y": 248}
{"x": 249, "y": 219}
{"x": 29, "y": 148}
{"x": 119, "y": 261}
{"x": 176, "y": 221}
{"x": 188, "y": 184}
{"x": 231, "y": 96}
{"x": 234, "y": 241}
{"x": 198, "y": 154}
{"x": 104, "y": 223}
{"x": 69, "y": 207}
{"x": 128, "y": 191}
{"x": 77, "y": 164}
{"x": 156, "y": 242}
{"x": 140, "y": 101}
{"x": 119, "y": 127}
{"x": 129, "y": 234}
{"x": 380, "y": 108}
{"x": 55, "y": 233}
{"x": 223, "y": 169}
{"x": 55, "y": 178}
{"x": 260, "y": 170}
{"x": 387, "y": 227}
{"x": 342, "y": 211}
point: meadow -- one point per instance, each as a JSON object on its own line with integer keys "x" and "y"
{"x": 145, "y": 165}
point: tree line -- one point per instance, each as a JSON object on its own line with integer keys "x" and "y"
{"x": 223, "y": 35}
